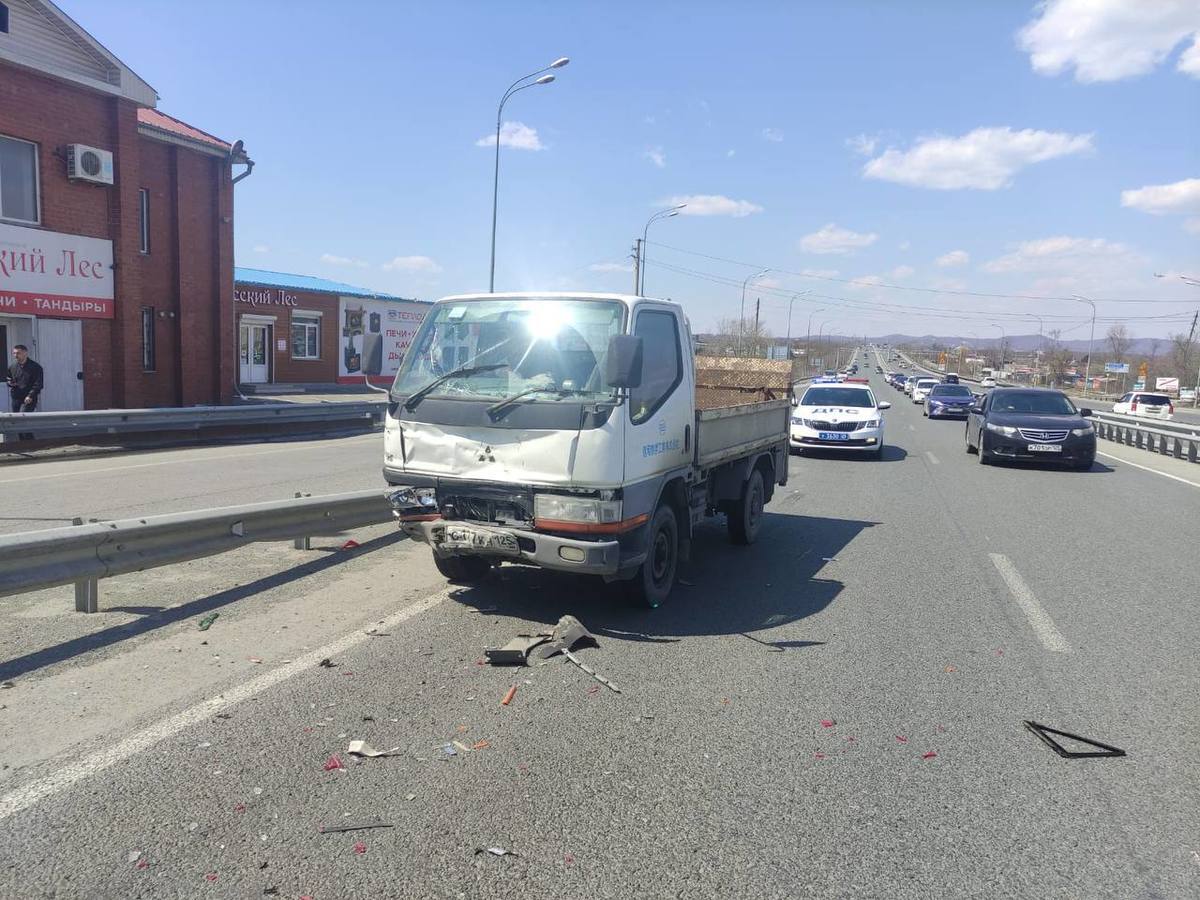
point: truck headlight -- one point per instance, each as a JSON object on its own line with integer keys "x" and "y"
{"x": 1006, "y": 430}
{"x": 584, "y": 510}
{"x": 402, "y": 498}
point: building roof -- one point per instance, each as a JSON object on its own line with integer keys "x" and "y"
{"x": 157, "y": 119}
{"x": 268, "y": 278}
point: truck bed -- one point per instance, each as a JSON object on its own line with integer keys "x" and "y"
{"x": 728, "y": 432}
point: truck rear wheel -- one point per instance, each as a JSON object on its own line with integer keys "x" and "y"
{"x": 746, "y": 516}
{"x": 656, "y": 576}
{"x": 462, "y": 569}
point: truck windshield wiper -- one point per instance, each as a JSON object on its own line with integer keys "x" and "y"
{"x": 421, "y": 393}
{"x": 506, "y": 402}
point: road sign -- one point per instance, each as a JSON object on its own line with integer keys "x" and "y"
{"x": 1116, "y": 368}
{"x": 1143, "y": 371}
{"x": 1139, "y": 385}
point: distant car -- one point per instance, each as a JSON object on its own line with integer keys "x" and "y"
{"x": 909, "y": 383}
{"x": 1031, "y": 424}
{"x": 949, "y": 400}
{"x": 899, "y": 381}
{"x": 840, "y": 417}
{"x": 951, "y": 378}
{"x": 922, "y": 388}
{"x": 879, "y": 370}
{"x": 1150, "y": 406}
{"x": 988, "y": 382}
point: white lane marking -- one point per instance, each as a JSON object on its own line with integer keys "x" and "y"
{"x": 167, "y": 462}
{"x": 34, "y": 792}
{"x": 1039, "y": 619}
{"x": 933, "y": 459}
{"x": 1122, "y": 459}
{"x": 912, "y": 428}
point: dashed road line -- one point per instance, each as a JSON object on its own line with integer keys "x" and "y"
{"x": 1043, "y": 626}
{"x": 933, "y": 459}
{"x": 36, "y": 791}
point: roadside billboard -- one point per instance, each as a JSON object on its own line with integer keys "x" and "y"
{"x": 375, "y": 335}
{"x": 46, "y": 273}
{"x": 1117, "y": 368}
{"x": 1171, "y": 385}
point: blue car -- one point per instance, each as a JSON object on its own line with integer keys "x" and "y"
{"x": 949, "y": 400}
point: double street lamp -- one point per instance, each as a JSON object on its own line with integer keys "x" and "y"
{"x": 519, "y": 85}
{"x": 742, "y": 313}
{"x": 661, "y": 214}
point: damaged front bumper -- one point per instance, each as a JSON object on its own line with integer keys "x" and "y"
{"x": 456, "y": 538}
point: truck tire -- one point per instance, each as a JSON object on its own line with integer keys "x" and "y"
{"x": 746, "y": 517}
{"x": 656, "y": 576}
{"x": 463, "y": 569}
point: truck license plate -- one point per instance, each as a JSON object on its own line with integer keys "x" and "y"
{"x": 1045, "y": 448}
{"x": 463, "y": 537}
{"x": 832, "y": 436}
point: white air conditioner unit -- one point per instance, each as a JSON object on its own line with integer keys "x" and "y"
{"x": 89, "y": 164}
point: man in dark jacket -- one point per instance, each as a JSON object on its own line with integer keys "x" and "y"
{"x": 24, "y": 380}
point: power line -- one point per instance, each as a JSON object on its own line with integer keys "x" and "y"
{"x": 862, "y": 282}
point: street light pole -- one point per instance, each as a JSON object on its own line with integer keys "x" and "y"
{"x": 1003, "y": 337}
{"x": 518, "y": 85}
{"x": 808, "y": 340}
{"x": 661, "y": 214}
{"x": 742, "y": 312}
{"x": 789, "y": 324}
{"x": 1087, "y": 369}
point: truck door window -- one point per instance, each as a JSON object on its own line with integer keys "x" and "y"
{"x": 662, "y": 366}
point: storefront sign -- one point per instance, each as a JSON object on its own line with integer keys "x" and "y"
{"x": 263, "y": 296}
{"x": 63, "y": 276}
{"x": 374, "y": 336}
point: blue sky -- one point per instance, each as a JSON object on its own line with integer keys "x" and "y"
{"x": 850, "y": 140}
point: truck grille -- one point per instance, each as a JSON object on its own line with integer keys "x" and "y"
{"x": 485, "y": 503}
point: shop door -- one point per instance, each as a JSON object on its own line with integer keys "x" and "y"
{"x": 253, "y": 345}
{"x": 59, "y": 349}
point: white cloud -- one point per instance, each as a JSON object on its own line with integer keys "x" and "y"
{"x": 517, "y": 135}
{"x": 1068, "y": 264}
{"x": 901, "y": 272}
{"x": 985, "y": 159}
{"x": 656, "y": 156}
{"x": 820, "y": 273}
{"x": 729, "y": 154}
{"x": 611, "y": 267}
{"x": 865, "y": 282}
{"x": 863, "y": 144}
{"x": 774, "y": 135}
{"x": 649, "y": 120}
{"x": 1161, "y": 199}
{"x": 412, "y": 264}
{"x": 835, "y": 239}
{"x": 713, "y": 205}
{"x": 949, "y": 284}
{"x": 1192, "y": 226}
{"x": 952, "y": 259}
{"x": 904, "y": 245}
{"x": 1107, "y": 40}
{"x": 261, "y": 248}
{"x": 334, "y": 260}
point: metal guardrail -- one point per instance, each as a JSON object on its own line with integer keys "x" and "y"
{"x": 86, "y": 552}
{"x": 87, "y": 423}
{"x": 1133, "y": 432}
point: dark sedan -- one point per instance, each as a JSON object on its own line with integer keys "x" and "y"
{"x": 949, "y": 400}
{"x": 1031, "y": 424}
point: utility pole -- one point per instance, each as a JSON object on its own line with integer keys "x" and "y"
{"x": 757, "y": 303}
{"x": 637, "y": 266}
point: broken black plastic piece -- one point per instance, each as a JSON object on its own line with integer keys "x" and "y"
{"x": 1043, "y": 732}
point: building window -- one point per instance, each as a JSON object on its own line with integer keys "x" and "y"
{"x": 3, "y": 19}
{"x": 306, "y": 336}
{"x": 144, "y": 218}
{"x": 18, "y": 180}
{"x": 147, "y": 339}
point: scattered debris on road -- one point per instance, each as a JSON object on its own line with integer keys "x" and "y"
{"x": 327, "y": 663}
{"x": 360, "y": 826}
{"x": 600, "y": 678}
{"x": 1043, "y": 733}
{"x": 134, "y": 856}
{"x": 568, "y": 634}
{"x": 516, "y": 651}
{"x": 206, "y": 623}
{"x": 351, "y": 544}
{"x": 495, "y": 851}
{"x": 334, "y": 762}
{"x": 448, "y": 750}
{"x": 360, "y": 847}
{"x": 512, "y": 692}
{"x": 362, "y": 748}
{"x": 827, "y": 723}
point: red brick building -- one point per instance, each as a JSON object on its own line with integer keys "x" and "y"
{"x": 297, "y": 329}
{"x": 116, "y": 226}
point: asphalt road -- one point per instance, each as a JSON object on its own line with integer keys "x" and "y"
{"x": 835, "y": 711}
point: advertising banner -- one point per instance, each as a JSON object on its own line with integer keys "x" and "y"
{"x": 1167, "y": 384}
{"x": 374, "y": 336}
{"x": 1117, "y": 368}
{"x": 45, "y": 273}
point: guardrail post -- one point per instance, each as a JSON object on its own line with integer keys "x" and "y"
{"x": 87, "y": 591}
{"x": 1191, "y": 453}
{"x": 302, "y": 543}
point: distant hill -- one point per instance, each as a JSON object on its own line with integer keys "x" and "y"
{"x": 1139, "y": 347}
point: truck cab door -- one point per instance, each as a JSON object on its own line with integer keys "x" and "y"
{"x": 661, "y": 410}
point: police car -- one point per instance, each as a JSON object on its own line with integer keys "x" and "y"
{"x": 841, "y": 416}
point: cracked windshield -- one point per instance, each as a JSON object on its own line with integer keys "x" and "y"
{"x": 632, "y": 450}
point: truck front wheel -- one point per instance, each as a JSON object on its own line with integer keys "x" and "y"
{"x": 656, "y": 576}
{"x": 746, "y": 516}
{"x": 462, "y": 569}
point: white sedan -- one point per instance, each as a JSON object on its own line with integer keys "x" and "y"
{"x": 839, "y": 417}
{"x": 988, "y": 382}
{"x": 922, "y": 388}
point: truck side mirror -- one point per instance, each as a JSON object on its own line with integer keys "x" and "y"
{"x": 623, "y": 368}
